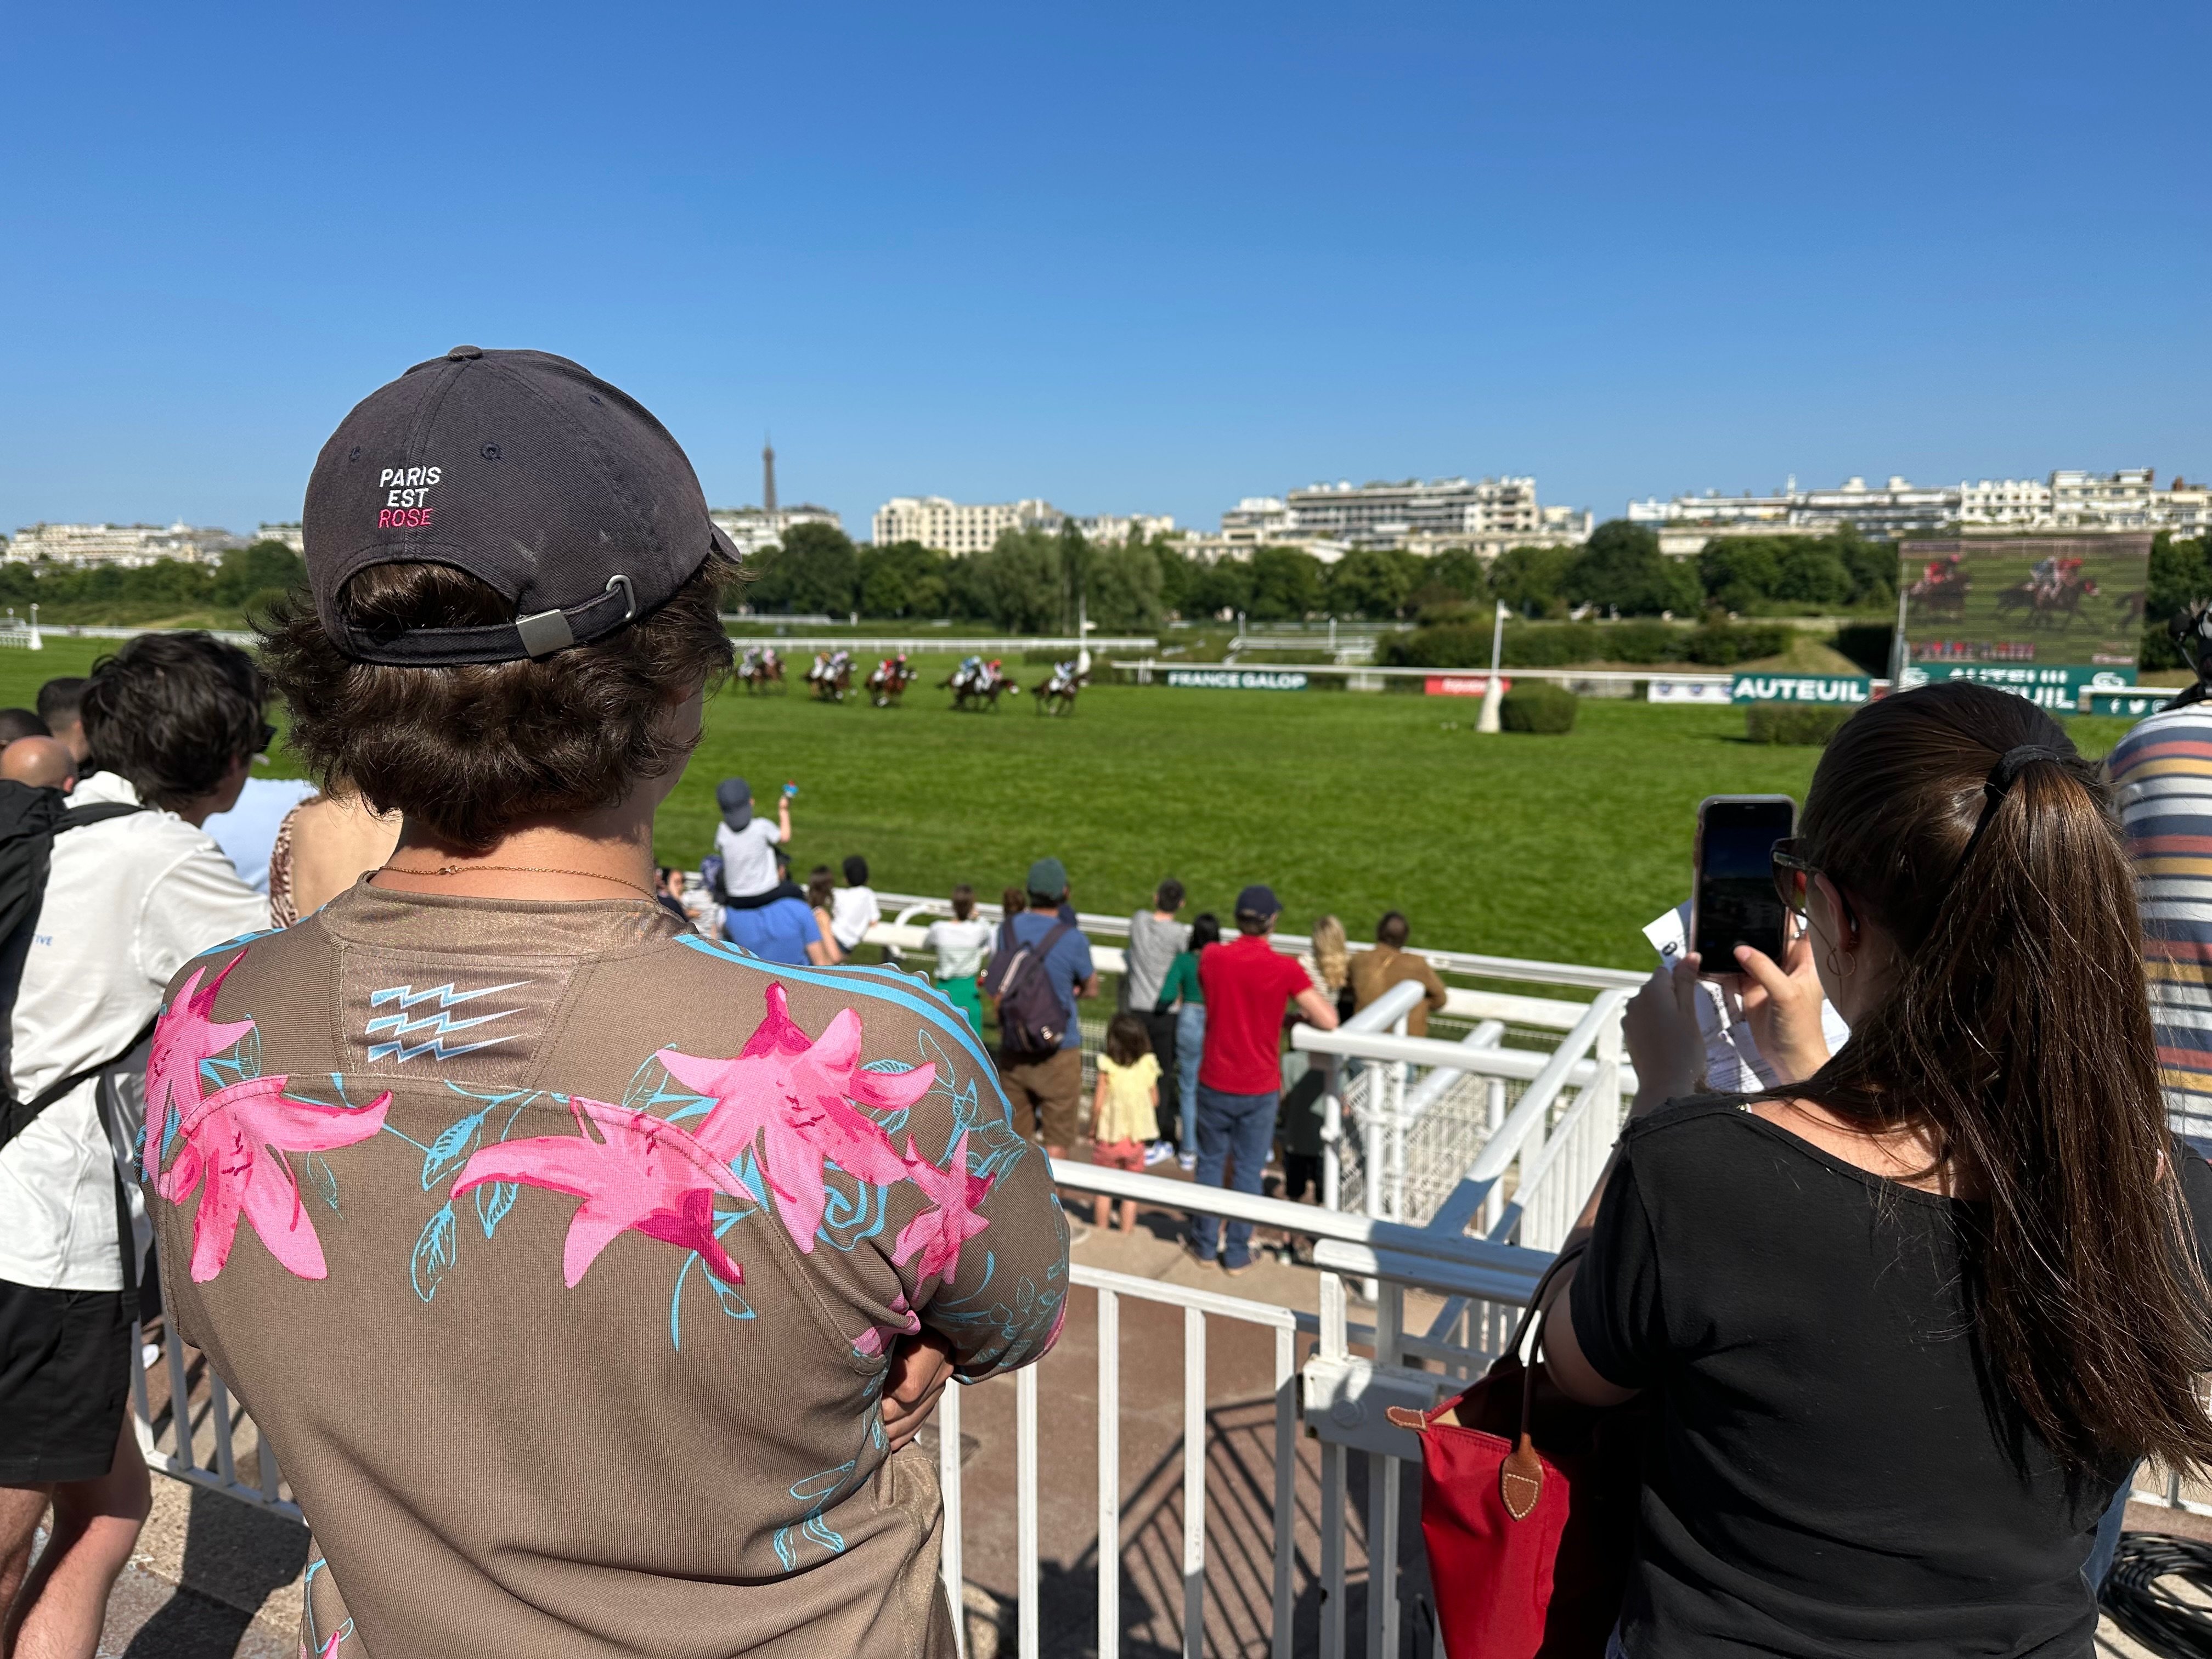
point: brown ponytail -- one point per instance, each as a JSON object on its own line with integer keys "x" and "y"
{"x": 2018, "y": 1036}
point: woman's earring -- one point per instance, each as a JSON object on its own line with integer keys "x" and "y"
{"x": 1843, "y": 970}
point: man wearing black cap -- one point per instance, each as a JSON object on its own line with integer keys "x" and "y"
{"x": 1249, "y": 985}
{"x": 491, "y": 1152}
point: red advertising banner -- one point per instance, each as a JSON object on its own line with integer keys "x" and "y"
{"x": 1463, "y": 685}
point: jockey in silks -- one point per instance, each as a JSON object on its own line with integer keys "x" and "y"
{"x": 991, "y": 674}
{"x": 969, "y": 673}
{"x": 821, "y": 667}
{"x": 751, "y": 665}
{"x": 769, "y": 659}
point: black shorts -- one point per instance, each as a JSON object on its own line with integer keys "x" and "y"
{"x": 65, "y": 1359}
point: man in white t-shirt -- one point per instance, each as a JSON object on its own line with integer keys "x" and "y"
{"x": 747, "y": 844}
{"x": 175, "y": 720}
{"x": 853, "y": 907}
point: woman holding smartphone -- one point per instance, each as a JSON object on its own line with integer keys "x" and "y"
{"x": 1908, "y": 1318}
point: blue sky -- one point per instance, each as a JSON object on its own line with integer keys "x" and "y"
{"x": 1129, "y": 257}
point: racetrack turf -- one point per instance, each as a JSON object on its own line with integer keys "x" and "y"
{"x": 1558, "y": 848}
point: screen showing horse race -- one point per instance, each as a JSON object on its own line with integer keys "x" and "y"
{"x": 2076, "y": 600}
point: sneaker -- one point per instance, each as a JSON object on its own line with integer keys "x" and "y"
{"x": 1190, "y": 1250}
{"x": 1238, "y": 1270}
{"x": 149, "y": 1355}
{"x": 1187, "y": 1160}
{"x": 1158, "y": 1152}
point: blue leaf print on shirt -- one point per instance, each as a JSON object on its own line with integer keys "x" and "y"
{"x": 451, "y": 1149}
{"x": 494, "y": 1200}
{"x": 434, "y": 1252}
{"x": 325, "y": 1179}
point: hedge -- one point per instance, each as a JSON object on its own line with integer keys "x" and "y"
{"x": 1538, "y": 706}
{"x": 1808, "y": 726}
{"x": 1562, "y": 645}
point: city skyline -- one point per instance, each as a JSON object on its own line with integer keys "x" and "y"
{"x": 1257, "y": 249}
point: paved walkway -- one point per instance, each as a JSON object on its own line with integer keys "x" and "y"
{"x": 214, "y": 1576}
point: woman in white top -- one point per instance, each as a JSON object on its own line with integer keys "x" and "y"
{"x": 961, "y": 943}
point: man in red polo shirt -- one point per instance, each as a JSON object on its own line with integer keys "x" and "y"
{"x": 1248, "y": 989}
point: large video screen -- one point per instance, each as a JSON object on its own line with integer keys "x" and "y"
{"x": 2075, "y": 600}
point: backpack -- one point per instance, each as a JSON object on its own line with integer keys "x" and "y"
{"x": 29, "y": 820}
{"x": 1031, "y": 1020}
{"x": 710, "y": 872}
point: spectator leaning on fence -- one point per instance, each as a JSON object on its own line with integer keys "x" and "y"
{"x": 1156, "y": 938}
{"x": 853, "y": 908}
{"x": 1248, "y": 988}
{"x": 1181, "y": 993}
{"x": 1373, "y": 972}
{"x": 961, "y": 942}
{"x": 176, "y": 719}
{"x": 562, "y": 1257}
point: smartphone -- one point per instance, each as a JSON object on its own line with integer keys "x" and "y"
{"x": 790, "y": 791}
{"x": 1732, "y": 901}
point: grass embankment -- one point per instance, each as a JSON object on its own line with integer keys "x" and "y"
{"x": 1558, "y": 848}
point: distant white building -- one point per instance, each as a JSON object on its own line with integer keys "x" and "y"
{"x": 1488, "y": 515}
{"x": 1116, "y": 527}
{"x": 956, "y": 526}
{"x": 2126, "y": 499}
{"x": 289, "y": 534}
{"x": 753, "y": 528}
{"x": 125, "y": 544}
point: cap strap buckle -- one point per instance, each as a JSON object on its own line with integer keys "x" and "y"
{"x": 544, "y": 632}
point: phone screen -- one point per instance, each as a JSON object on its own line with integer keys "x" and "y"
{"x": 1736, "y": 903}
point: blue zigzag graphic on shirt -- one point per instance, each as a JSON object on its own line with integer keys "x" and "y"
{"x": 441, "y": 1023}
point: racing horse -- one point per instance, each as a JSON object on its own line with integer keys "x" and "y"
{"x": 1942, "y": 590}
{"x": 978, "y": 684}
{"x": 2049, "y": 599}
{"x": 1057, "y": 695}
{"x": 831, "y": 676}
{"x": 762, "y": 670}
{"x": 888, "y": 680}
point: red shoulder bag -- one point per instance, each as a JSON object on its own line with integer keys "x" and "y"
{"x": 1528, "y": 1507}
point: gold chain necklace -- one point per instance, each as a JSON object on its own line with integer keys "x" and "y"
{"x": 520, "y": 869}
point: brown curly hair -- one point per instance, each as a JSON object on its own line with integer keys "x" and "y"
{"x": 470, "y": 751}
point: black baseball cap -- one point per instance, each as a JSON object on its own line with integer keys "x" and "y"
{"x": 523, "y": 469}
{"x": 1258, "y": 900}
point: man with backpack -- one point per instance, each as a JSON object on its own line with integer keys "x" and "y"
{"x": 107, "y": 900}
{"x": 1034, "y": 981}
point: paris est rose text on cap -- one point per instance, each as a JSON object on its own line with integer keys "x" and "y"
{"x": 523, "y": 469}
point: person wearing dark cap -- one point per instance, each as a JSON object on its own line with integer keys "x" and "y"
{"x": 1044, "y": 1074}
{"x": 748, "y": 843}
{"x": 1248, "y": 986}
{"x": 586, "y": 1177}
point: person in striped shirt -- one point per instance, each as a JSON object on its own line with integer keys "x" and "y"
{"x": 2161, "y": 772}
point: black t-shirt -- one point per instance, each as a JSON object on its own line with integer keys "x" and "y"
{"x": 1825, "y": 1476}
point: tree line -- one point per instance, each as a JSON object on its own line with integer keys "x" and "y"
{"x": 244, "y": 581}
{"x": 1032, "y": 581}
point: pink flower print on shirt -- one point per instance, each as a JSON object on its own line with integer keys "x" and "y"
{"x": 187, "y": 1034}
{"x": 939, "y": 1233}
{"x": 646, "y": 1174}
{"x": 235, "y": 1139}
{"x": 793, "y": 1096}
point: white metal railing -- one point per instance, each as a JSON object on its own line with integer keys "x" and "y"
{"x": 900, "y": 933}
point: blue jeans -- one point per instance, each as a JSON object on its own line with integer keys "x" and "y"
{"x": 1235, "y": 1129}
{"x": 1190, "y": 1048}
{"x": 2099, "y": 1567}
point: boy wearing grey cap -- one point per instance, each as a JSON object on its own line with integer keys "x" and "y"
{"x": 747, "y": 843}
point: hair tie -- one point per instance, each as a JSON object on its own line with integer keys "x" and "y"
{"x": 2002, "y": 774}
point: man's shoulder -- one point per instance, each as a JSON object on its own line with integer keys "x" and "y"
{"x": 2182, "y": 734}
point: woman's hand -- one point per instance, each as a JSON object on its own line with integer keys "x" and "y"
{"x": 1782, "y": 1006}
{"x": 1660, "y": 1028}
{"x": 921, "y": 1364}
